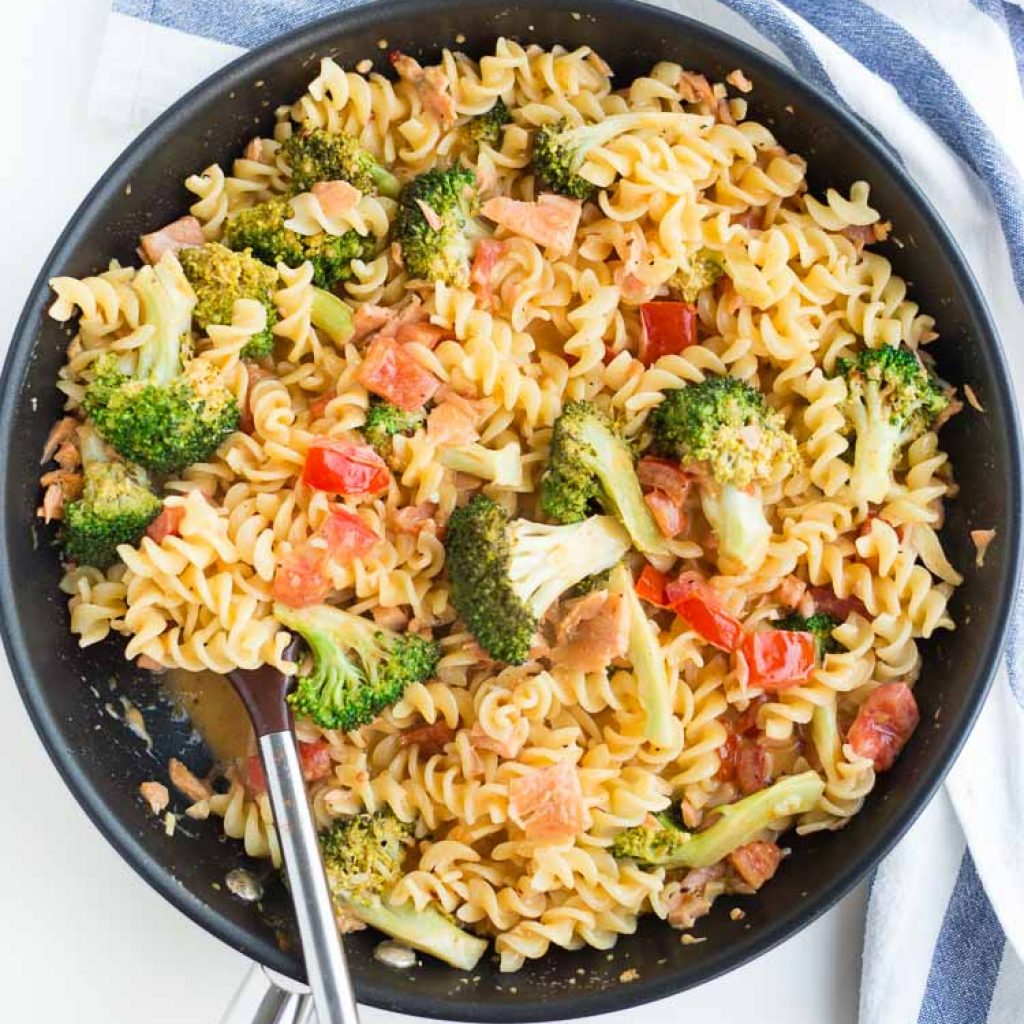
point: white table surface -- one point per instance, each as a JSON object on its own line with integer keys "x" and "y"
{"x": 83, "y": 940}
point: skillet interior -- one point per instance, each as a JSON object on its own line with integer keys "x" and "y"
{"x": 66, "y": 690}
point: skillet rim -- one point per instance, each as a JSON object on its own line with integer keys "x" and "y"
{"x": 316, "y": 37}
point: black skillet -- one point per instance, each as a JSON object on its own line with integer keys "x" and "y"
{"x": 103, "y": 766}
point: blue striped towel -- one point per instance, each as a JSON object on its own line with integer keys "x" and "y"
{"x": 941, "y": 80}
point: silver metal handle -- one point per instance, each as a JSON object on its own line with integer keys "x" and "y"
{"x": 260, "y": 1001}
{"x": 329, "y": 979}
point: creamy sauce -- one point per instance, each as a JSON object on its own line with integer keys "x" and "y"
{"x": 213, "y": 707}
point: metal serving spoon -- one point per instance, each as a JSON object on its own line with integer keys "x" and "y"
{"x": 263, "y": 692}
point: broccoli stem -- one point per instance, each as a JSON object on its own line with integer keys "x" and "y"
{"x": 90, "y": 446}
{"x": 878, "y": 440}
{"x": 825, "y": 737}
{"x": 661, "y": 727}
{"x": 588, "y": 136}
{"x": 427, "y": 930}
{"x": 740, "y": 822}
{"x": 387, "y": 184}
{"x": 332, "y": 316}
{"x": 738, "y": 520}
{"x": 167, "y": 303}
{"x": 501, "y": 466}
{"x": 620, "y": 490}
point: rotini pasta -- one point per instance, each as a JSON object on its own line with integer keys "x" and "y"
{"x": 683, "y": 250}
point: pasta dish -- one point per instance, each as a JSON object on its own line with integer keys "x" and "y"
{"x": 593, "y": 458}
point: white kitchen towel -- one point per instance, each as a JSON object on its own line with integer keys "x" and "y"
{"x": 941, "y": 81}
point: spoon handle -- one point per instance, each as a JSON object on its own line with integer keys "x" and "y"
{"x": 329, "y": 980}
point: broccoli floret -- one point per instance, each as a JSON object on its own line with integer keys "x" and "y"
{"x": 590, "y": 584}
{"x": 363, "y": 858}
{"x": 501, "y": 466}
{"x": 319, "y": 155}
{"x": 115, "y": 508}
{"x": 505, "y": 574}
{"x": 219, "y": 276}
{"x": 262, "y": 229}
{"x": 706, "y": 267}
{"x": 725, "y": 427}
{"x": 661, "y": 726}
{"x": 560, "y": 148}
{"x": 444, "y": 251}
{"x": 891, "y": 399}
{"x": 590, "y": 462}
{"x": 663, "y": 844}
{"x": 173, "y": 411}
{"x": 384, "y": 421}
{"x": 820, "y": 625}
{"x": 488, "y": 126}
{"x": 359, "y": 668}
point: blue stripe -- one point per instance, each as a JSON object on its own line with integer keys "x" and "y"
{"x": 895, "y": 55}
{"x": 1012, "y": 657}
{"x": 1010, "y": 19}
{"x": 776, "y": 25}
{"x": 1015, "y": 26}
{"x": 228, "y": 21}
{"x": 969, "y": 951}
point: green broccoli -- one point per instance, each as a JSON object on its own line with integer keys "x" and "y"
{"x": 706, "y": 267}
{"x": 262, "y": 229}
{"x": 363, "y": 858}
{"x": 488, "y": 126}
{"x": 505, "y": 574}
{"x": 384, "y": 421}
{"x": 655, "y": 692}
{"x": 820, "y": 624}
{"x": 436, "y": 227}
{"x": 219, "y": 276}
{"x": 726, "y": 428}
{"x": 589, "y": 584}
{"x": 590, "y": 462}
{"x": 891, "y": 399}
{"x": 332, "y": 316}
{"x": 316, "y": 154}
{"x": 560, "y": 148}
{"x": 115, "y": 508}
{"x": 359, "y": 668}
{"x": 663, "y": 844}
{"x": 501, "y": 466}
{"x": 172, "y": 411}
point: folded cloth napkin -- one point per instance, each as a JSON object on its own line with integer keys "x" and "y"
{"x": 941, "y": 81}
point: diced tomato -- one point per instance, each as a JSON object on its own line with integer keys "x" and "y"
{"x": 694, "y": 601}
{"x": 667, "y": 513}
{"x": 666, "y": 329}
{"x": 302, "y": 577}
{"x": 420, "y": 332}
{"x": 344, "y": 467}
{"x": 751, "y": 766}
{"x": 779, "y": 658}
{"x": 315, "y": 759}
{"x": 650, "y": 587}
{"x": 841, "y": 608}
{"x": 548, "y": 802}
{"x": 166, "y": 524}
{"x": 390, "y": 371}
{"x": 884, "y": 723}
{"x": 756, "y": 862}
{"x": 663, "y": 475}
{"x": 551, "y": 221}
{"x": 485, "y": 259}
{"x": 255, "y": 779}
